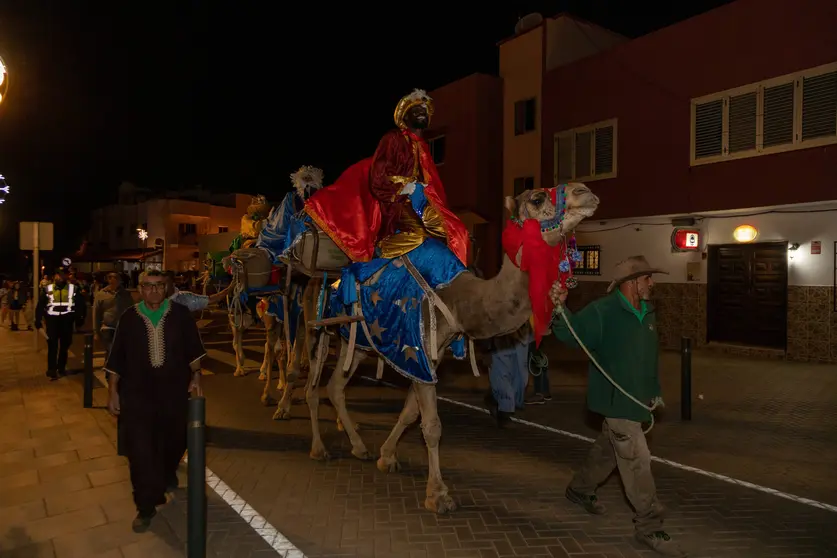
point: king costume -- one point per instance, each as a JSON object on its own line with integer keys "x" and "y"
{"x": 382, "y": 212}
{"x": 152, "y": 357}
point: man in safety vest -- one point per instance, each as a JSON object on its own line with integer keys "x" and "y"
{"x": 62, "y": 305}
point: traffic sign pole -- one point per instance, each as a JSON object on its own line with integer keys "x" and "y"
{"x": 36, "y": 279}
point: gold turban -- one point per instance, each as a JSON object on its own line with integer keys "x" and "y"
{"x": 417, "y": 97}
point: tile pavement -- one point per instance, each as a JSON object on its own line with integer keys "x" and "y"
{"x": 63, "y": 490}
{"x": 509, "y": 485}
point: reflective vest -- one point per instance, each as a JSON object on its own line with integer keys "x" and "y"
{"x": 60, "y": 301}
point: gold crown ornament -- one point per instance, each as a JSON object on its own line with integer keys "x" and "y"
{"x": 417, "y": 97}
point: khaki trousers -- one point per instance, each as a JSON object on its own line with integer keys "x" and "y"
{"x": 622, "y": 445}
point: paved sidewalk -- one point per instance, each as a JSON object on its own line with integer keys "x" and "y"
{"x": 63, "y": 490}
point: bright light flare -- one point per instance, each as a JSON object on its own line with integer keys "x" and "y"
{"x": 142, "y": 234}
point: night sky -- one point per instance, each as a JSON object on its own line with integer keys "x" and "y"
{"x": 231, "y": 95}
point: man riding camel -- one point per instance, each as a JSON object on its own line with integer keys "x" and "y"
{"x": 391, "y": 203}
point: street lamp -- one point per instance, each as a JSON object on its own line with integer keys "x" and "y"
{"x": 4, "y": 80}
{"x": 143, "y": 235}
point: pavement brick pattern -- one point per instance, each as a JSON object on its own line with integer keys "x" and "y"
{"x": 509, "y": 484}
{"x": 63, "y": 490}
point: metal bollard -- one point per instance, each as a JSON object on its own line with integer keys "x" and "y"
{"x": 685, "y": 378}
{"x": 88, "y": 371}
{"x": 196, "y": 490}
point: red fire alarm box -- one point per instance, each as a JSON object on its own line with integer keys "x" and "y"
{"x": 685, "y": 240}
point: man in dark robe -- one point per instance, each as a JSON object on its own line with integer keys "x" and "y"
{"x": 154, "y": 365}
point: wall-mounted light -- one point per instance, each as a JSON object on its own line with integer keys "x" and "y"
{"x": 745, "y": 233}
{"x": 792, "y": 248}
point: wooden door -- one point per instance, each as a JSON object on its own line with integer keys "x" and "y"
{"x": 748, "y": 285}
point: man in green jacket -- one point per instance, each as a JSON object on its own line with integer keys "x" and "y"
{"x": 620, "y": 330}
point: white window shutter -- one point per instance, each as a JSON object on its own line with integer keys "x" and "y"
{"x": 777, "y": 127}
{"x": 709, "y": 129}
{"x": 819, "y": 106}
{"x": 742, "y": 119}
{"x": 583, "y": 154}
{"x": 603, "y": 160}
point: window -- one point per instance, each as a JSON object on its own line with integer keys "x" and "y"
{"x": 522, "y": 184}
{"x": 524, "y": 117}
{"x": 590, "y": 263}
{"x": 187, "y": 228}
{"x": 586, "y": 153}
{"x": 223, "y": 229}
{"x": 790, "y": 112}
{"x": 437, "y": 149}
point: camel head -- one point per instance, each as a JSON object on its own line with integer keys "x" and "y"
{"x": 575, "y": 198}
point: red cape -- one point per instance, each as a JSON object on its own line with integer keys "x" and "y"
{"x": 348, "y": 213}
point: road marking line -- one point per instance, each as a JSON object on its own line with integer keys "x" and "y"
{"x": 676, "y": 465}
{"x": 271, "y": 535}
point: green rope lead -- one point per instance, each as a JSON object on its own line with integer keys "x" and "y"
{"x": 538, "y": 359}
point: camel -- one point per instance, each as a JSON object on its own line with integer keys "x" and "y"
{"x": 480, "y": 309}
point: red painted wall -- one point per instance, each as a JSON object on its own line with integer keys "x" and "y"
{"x": 469, "y": 112}
{"x": 648, "y": 84}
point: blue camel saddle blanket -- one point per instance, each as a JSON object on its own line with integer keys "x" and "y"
{"x": 390, "y": 299}
{"x": 283, "y": 229}
{"x": 274, "y": 306}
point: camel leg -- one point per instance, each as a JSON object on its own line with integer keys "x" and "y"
{"x": 437, "y": 499}
{"x": 388, "y": 462}
{"x": 337, "y": 394}
{"x": 238, "y": 335}
{"x": 312, "y": 396}
{"x": 267, "y": 365}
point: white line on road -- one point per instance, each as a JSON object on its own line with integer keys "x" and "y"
{"x": 676, "y": 465}
{"x": 271, "y": 535}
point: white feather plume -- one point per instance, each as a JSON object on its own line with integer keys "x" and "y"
{"x": 307, "y": 179}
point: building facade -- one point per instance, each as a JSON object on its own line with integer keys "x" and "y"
{"x": 465, "y": 140}
{"x": 175, "y": 224}
{"x": 723, "y": 127}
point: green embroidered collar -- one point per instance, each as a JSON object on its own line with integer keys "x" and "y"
{"x": 154, "y": 316}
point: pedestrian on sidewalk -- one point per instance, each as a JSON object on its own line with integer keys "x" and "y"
{"x": 508, "y": 374}
{"x": 621, "y": 330}
{"x": 109, "y": 304}
{"x": 4, "y": 300}
{"x": 63, "y": 308}
{"x": 17, "y": 302}
{"x": 155, "y": 362}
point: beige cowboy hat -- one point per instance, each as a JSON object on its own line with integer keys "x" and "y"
{"x": 633, "y": 267}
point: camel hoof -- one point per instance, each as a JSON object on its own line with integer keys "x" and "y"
{"x": 388, "y": 464}
{"x": 319, "y": 453}
{"x": 267, "y": 400}
{"x": 280, "y": 387}
{"x": 440, "y": 503}
{"x": 262, "y": 376}
{"x": 282, "y": 414}
{"x": 240, "y": 372}
{"x": 363, "y": 454}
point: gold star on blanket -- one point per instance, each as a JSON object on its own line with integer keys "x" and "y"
{"x": 375, "y": 297}
{"x": 410, "y": 353}
{"x": 377, "y": 330}
{"x": 402, "y": 303}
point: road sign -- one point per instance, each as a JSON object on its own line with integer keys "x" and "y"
{"x": 816, "y": 247}
{"x": 28, "y": 235}
{"x": 66, "y": 262}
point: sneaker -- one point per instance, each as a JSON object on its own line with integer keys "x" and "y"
{"x": 142, "y": 521}
{"x": 661, "y": 543}
{"x": 547, "y": 397}
{"x": 52, "y": 375}
{"x": 589, "y": 502}
{"x": 535, "y": 399}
